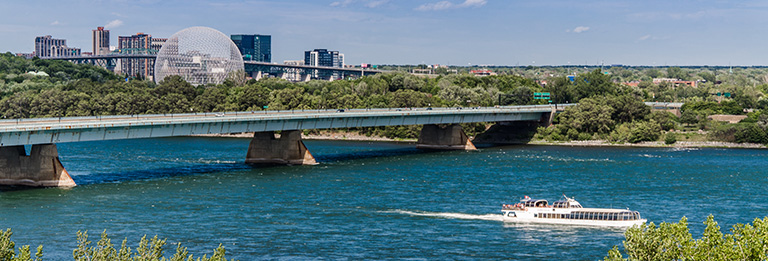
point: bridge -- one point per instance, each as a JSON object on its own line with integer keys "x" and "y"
{"x": 42, "y": 167}
{"x": 256, "y": 70}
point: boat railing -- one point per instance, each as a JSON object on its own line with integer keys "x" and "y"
{"x": 513, "y": 207}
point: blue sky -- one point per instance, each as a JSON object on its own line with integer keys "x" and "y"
{"x": 455, "y": 32}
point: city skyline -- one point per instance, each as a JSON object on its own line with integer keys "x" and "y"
{"x": 454, "y": 32}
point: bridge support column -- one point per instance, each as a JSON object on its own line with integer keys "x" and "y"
{"x": 547, "y": 118}
{"x": 289, "y": 149}
{"x": 41, "y": 168}
{"x": 450, "y": 137}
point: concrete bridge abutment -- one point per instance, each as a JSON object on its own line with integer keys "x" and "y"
{"x": 41, "y": 168}
{"x": 448, "y": 137}
{"x": 289, "y": 149}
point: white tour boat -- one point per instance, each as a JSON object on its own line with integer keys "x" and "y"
{"x": 568, "y": 211}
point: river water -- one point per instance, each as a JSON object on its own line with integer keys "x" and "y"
{"x": 375, "y": 200}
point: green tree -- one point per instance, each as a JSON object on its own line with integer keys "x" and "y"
{"x": 677, "y": 73}
{"x": 707, "y": 76}
{"x": 653, "y": 73}
{"x": 148, "y": 250}
{"x": 591, "y": 115}
{"x": 408, "y": 99}
{"x": 673, "y": 241}
{"x": 627, "y": 108}
{"x": 8, "y": 249}
{"x": 644, "y": 131}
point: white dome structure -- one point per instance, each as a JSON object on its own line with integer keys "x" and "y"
{"x": 200, "y": 55}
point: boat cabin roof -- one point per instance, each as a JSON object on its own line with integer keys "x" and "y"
{"x": 567, "y": 202}
{"x": 529, "y": 202}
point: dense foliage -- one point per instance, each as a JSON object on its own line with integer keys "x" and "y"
{"x": 28, "y": 96}
{"x": 673, "y": 241}
{"x": 148, "y": 250}
{"x": 608, "y": 109}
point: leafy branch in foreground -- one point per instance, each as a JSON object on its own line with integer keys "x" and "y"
{"x": 148, "y": 250}
{"x": 673, "y": 241}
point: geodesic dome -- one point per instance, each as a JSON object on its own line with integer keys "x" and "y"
{"x": 200, "y": 55}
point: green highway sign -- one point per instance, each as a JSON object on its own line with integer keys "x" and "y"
{"x": 541, "y": 95}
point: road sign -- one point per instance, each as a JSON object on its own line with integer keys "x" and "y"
{"x": 541, "y": 96}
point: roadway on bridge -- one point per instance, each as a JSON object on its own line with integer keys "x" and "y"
{"x": 33, "y": 124}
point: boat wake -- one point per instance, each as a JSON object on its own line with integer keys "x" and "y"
{"x": 489, "y": 217}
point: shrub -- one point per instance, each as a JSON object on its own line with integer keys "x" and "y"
{"x": 673, "y": 241}
{"x": 750, "y": 133}
{"x": 644, "y": 131}
{"x": 148, "y": 250}
{"x": 670, "y": 138}
{"x": 620, "y": 133}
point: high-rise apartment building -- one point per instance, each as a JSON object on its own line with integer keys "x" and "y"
{"x": 254, "y": 47}
{"x": 47, "y": 46}
{"x": 139, "y": 43}
{"x": 323, "y": 57}
{"x": 100, "y": 41}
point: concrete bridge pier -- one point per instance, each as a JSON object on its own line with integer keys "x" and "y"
{"x": 41, "y": 168}
{"x": 449, "y": 137}
{"x": 547, "y": 118}
{"x": 289, "y": 149}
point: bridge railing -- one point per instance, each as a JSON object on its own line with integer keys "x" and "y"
{"x": 273, "y": 113}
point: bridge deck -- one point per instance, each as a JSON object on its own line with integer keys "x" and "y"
{"x": 74, "y": 129}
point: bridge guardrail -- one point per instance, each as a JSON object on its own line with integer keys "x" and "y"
{"x": 213, "y": 117}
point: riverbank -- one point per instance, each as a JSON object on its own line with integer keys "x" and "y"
{"x": 655, "y": 144}
{"x": 355, "y": 136}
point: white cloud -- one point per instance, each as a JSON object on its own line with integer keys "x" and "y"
{"x": 114, "y": 24}
{"x": 344, "y": 3}
{"x": 374, "y": 4}
{"x": 644, "y": 37}
{"x": 471, "y": 3}
{"x": 55, "y": 22}
{"x": 442, "y": 5}
{"x": 579, "y": 29}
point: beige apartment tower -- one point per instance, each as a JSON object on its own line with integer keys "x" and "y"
{"x": 100, "y": 41}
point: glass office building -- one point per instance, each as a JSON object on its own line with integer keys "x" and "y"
{"x": 254, "y": 47}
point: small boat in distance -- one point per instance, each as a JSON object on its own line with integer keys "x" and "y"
{"x": 568, "y": 211}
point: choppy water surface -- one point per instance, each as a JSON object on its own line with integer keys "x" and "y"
{"x": 375, "y": 200}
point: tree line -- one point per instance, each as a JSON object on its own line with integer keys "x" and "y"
{"x": 673, "y": 241}
{"x": 607, "y": 108}
{"x": 148, "y": 250}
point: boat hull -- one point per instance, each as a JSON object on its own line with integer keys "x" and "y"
{"x": 595, "y": 223}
